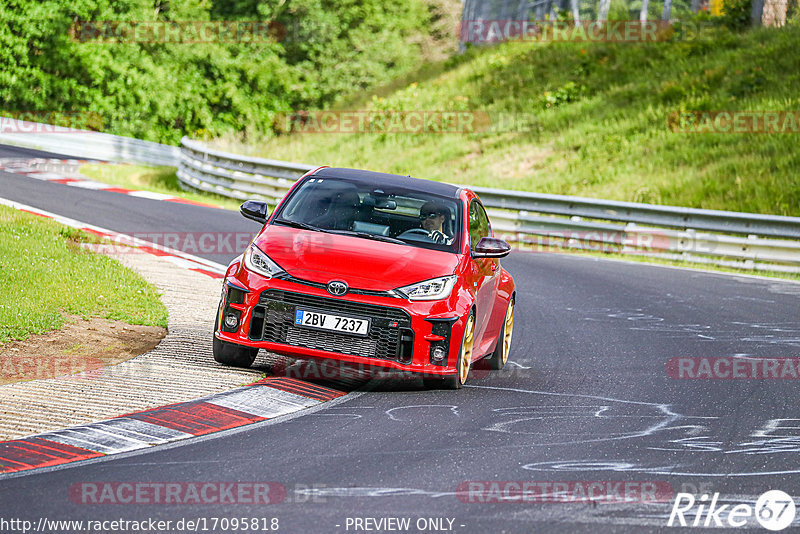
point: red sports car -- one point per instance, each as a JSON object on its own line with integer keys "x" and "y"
{"x": 374, "y": 269}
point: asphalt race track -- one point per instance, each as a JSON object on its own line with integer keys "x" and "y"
{"x": 586, "y": 398}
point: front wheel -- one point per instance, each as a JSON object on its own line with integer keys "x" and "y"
{"x": 231, "y": 353}
{"x": 458, "y": 379}
{"x": 499, "y": 357}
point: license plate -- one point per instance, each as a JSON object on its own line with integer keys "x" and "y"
{"x": 333, "y": 323}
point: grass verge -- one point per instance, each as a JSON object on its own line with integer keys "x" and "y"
{"x": 44, "y": 273}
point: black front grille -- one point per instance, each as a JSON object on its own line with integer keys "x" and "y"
{"x": 389, "y": 337}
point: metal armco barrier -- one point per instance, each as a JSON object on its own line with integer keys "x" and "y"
{"x": 543, "y": 221}
{"x": 85, "y": 144}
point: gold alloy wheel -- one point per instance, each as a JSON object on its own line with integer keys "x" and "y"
{"x": 508, "y": 330}
{"x": 466, "y": 349}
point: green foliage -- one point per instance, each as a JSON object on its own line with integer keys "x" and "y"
{"x": 44, "y": 272}
{"x": 569, "y": 92}
{"x": 736, "y": 14}
{"x": 161, "y": 91}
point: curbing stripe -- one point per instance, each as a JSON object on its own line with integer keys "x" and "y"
{"x": 266, "y": 404}
{"x": 33, "y": 452}
{"x": 28, "y": 168}
{"x": 116, "y": 435}
{"x": 92, "y": 438}
{"x": 260, "y": 401}
{"x": 299, "y": 387}
{"x": 196, "y": 417}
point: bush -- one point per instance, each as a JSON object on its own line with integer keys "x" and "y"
{"x": 160, "y": 91}
{"x": 736, "y": 14}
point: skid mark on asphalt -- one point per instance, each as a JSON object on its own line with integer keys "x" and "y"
{"x": 762, "y": 333}
{"x": 394, "y": 417}
{"x": 695, "y": 440}
{"x": 657, "y": 416}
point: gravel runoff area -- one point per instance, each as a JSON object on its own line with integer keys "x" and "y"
{"x": 180, "y": 368}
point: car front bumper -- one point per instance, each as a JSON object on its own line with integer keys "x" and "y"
{"x": 403, "y": 334}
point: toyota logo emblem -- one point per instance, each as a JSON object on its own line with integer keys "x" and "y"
{"x": 337, "y": 288}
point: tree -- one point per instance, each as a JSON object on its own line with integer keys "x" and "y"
{"x": 774, "y": 13}
{"x": 604, "y": 6}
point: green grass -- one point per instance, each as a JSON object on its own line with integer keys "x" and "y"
{"x": 44, "y": 273}
{"x": 157, "y": 179}
{"x": 596, "y": 116}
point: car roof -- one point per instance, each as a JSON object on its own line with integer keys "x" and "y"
{"x": 378, "y": 178}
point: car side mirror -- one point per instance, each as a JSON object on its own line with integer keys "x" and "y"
{"x": 255, "y": 210}
{"x": 491, "y": 247}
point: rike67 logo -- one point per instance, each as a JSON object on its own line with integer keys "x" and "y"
{"x": 774, "y": 510}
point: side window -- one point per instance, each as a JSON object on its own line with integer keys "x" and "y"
{"x": 478, "y": 223}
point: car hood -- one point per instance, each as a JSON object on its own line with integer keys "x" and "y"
{"x": 362, "y": 263}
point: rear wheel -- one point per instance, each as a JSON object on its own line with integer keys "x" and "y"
{"x": 499, "y": 357}
{"x": 231, "y": 353}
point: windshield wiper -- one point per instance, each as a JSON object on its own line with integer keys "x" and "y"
{"x": 298, "y": 224}
{"x": 366, "y": 235}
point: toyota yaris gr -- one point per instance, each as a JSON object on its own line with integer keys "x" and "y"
{"x": 376, "y": 270}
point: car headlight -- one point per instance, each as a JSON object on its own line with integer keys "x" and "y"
{"x": 433, "y": 289}
{"x": 258, "y": 262}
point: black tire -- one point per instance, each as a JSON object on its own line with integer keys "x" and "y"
{"x": 432, "y": 382}
{"x": 497, "y": 360}
{"x": 457, "y": 380}
{"x": 231, "y": 353}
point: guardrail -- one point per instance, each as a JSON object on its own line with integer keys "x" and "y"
{"x": 86, "y": 144}
{"x": 543, "y": 221}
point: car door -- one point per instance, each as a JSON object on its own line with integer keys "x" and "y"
{"x": 484, "y": 275}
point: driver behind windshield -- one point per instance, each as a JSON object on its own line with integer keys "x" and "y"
{"x": 432, "y": 216}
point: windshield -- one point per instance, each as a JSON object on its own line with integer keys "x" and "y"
{"x": 369, "y": 211}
